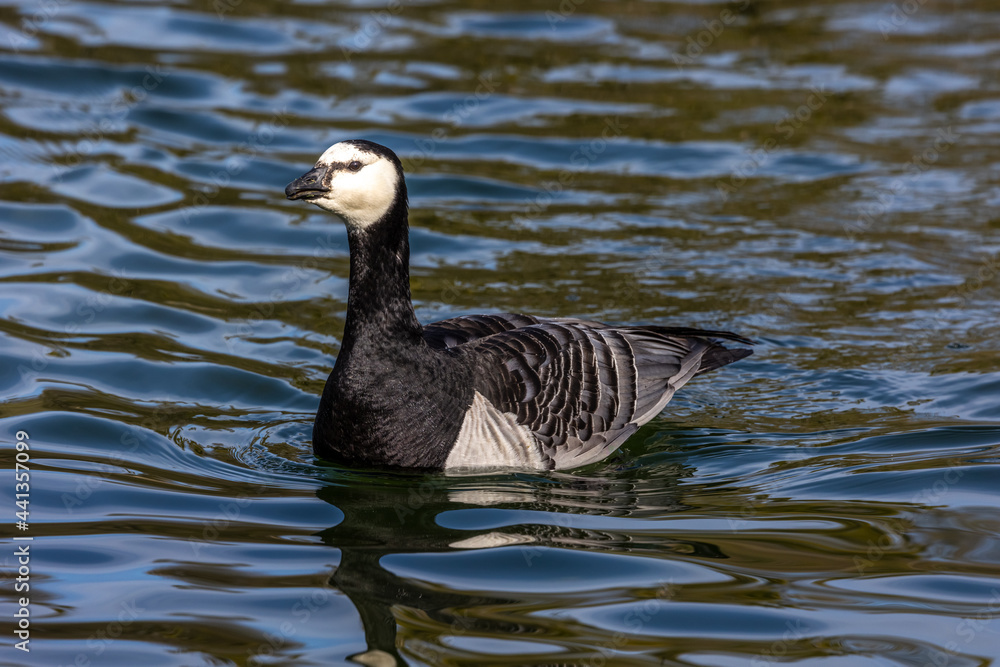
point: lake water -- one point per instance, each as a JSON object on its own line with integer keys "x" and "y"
{"x": 821, "y": 176}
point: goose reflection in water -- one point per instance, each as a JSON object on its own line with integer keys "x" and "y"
{"x": 408, "y": 515}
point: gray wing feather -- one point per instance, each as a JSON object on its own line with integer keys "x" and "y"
{"x": 583, "y": 387}
{"x": 459, "y": 330}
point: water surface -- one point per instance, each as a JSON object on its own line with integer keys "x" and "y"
{"x": 820, "y": 176}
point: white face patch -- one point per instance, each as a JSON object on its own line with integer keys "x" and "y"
{"x": 360, "y": 197}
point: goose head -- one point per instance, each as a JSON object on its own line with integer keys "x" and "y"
{"x": 359, "y": 180}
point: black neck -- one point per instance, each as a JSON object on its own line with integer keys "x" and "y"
{"x": 378, "y": 302}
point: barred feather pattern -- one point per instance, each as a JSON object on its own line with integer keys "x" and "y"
{"x": 580, "y": 387}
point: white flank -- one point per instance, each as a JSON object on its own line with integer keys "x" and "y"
{"x": 360, "y": 197}
{"x": 485, "y": 497}
{"x": 374, "y": 658}
{"x": 493, "y": 439}
{"x": 491, "y": 541}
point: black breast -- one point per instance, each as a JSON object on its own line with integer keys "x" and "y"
{"x": 393, "y": 405}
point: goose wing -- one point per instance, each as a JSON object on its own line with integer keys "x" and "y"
{"x": 459, "y": 330}
{"x": 581, "y": 388}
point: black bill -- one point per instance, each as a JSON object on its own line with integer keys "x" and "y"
{"x": 308, "y": 186}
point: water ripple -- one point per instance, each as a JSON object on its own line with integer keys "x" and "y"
{"x": 818, "y": 177}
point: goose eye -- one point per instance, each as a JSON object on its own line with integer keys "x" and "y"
{"x": 355, "y": 166}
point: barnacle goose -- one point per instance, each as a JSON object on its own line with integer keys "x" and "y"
{"x": 481, "y": 391}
